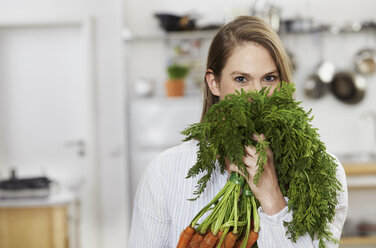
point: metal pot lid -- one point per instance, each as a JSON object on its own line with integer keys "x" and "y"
{"x": 365, "y": 61}
{"x": 348, "y": 87}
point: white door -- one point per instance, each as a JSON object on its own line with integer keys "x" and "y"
{"x": 46, "y": 108}
{"x": 43, "y": 100}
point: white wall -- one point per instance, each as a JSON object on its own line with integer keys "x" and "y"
{"x": 114, "y": 176}
{"x": 105, "y": 217}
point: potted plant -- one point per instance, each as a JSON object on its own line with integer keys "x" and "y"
{"x": 176, "y": 79}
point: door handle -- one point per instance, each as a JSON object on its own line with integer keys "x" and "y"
{"x": 80, "y": 145}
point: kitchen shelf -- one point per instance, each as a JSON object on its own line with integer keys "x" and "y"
{"x": 329, "y": 32}
{"x": 183, "y": 35}
{"x": 209, "y": 34}
{"x": 163, "y": 100}
{"x": 358, "y": 240}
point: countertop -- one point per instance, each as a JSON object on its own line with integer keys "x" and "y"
{"x": 360, "y": 175}
{"x": 61, "y": 197}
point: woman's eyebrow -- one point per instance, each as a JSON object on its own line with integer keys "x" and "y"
{"x": 272, "y": 72}
{"x": 249, "y": 75}
{"x": 240, "y": 73}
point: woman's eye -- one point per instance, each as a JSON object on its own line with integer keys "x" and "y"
{"x": 270, "y": 78}
{"x": 240, "y": 79}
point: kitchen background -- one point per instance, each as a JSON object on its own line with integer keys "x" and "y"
{"x": 83, "y": 100}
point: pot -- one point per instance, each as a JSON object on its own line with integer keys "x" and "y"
{"x": 172, "y": 22}
{"x": 365, "y": 61}
{"x": 297, "y": 25}
{"x": 348, "y": 87}
{"x": 175, "y": 87}
{"x": 317, "y": 84}
{"x": 314, "y": 87}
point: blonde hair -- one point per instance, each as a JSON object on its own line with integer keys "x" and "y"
{"x": 243, "y": 29}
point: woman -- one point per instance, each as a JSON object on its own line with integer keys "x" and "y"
{"x": 246, "y": 54}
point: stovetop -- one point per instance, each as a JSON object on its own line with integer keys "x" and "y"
{"x": 25, "y": 183}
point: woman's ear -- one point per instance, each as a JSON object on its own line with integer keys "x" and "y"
{"x": 212, "y": 83}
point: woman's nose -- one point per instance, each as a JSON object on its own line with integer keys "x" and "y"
{"x": 257, "y": 85}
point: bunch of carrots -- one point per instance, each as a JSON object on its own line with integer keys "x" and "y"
{"x": 302, "y": 164}
{"x": 232, "y": 223}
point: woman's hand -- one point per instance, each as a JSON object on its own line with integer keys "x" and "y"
{"x": 267, "y": 191}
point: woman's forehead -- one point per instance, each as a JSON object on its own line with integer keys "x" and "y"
{"x": 248, "y": 57}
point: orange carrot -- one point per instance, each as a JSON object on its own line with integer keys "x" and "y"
{"x": 219, "y": 235}
{"x": 185, "y": 237}
{"x": 252, "y": 239}
{"x": 239, "y": 243}
{"x": 209, "y": 241}
{"x": 230, "y": 240}
{"x": 196, "y": 240}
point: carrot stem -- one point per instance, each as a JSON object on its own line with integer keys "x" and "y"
{"x": 246, "y": 237}
{"x": 220, "y": 218}
{"x": 226, "y": 229}
{"x": 206, "y": 208}
{"x": 256, "y": 218}
{"x": 236, "y": 216}
{"x": 203, "y": 227}
{"x": 231, "y": 223}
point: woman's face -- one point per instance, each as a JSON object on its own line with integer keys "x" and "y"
{"x": 250, "y": 67}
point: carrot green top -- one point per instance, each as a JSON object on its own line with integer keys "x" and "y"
{"x": 306, "y": 172}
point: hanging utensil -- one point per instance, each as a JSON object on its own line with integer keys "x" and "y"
{"x": 314, "y": 87}
{"x": 348, "y": 87}
{"x": 365, "y": 61}
{"x": 317, "y": 84}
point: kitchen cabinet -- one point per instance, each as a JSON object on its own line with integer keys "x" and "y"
{"x": 365, "y": 180}
{"x": 34, "y": 227}
{"x": 361, "y": 176}
{"x": 354, "y": 169}
{"x": 155, "y": 126}
{"x": 358, "y": 242}
{"x": 50, "y": 222}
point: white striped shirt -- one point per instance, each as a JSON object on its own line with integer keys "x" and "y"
{"x": 161, "y": 209}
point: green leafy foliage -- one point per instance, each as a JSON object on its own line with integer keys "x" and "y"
{"x": 306, "y": 172}
{"x": 176, "y": 71}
